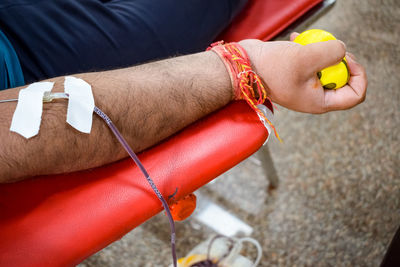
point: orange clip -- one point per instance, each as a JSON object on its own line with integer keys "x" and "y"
{"x": 183, "y": 208}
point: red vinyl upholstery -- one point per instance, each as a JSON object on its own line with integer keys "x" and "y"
{"x": 264, "y": 19}
{"x": 60, "y": 220}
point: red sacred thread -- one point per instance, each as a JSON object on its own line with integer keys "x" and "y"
{"x": 246, "y": 83}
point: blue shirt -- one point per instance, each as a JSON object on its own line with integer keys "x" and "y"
{"x": 10, "y": 68}
{"x": 62, "y": 37}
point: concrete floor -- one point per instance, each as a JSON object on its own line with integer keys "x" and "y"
{"x": 338, "y": 201}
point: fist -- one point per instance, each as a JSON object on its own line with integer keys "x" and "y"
{"x": 289, "y": 72}
{"x": 332, "y": 77}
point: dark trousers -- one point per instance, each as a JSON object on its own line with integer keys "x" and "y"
{"x": 54, "y": 38}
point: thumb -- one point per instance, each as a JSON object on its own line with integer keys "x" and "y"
{"x": 317, "y": 56}
{"x": 293, "y": 36}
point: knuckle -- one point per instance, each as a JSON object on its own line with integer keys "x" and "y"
{"x": 300, "y": 60}
{"x": 341, "y": 49}
{"x": 362, "y": 98}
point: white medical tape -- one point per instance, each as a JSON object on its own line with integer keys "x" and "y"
{"x": 80, "y": 104}
{"x": 269, "y": 115}
{"x": 28, "y": 113}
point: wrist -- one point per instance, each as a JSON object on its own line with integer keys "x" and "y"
{"x": 222, "y": 73}
{"x": 247, "y": 85}
{"x": 253, "y": 49}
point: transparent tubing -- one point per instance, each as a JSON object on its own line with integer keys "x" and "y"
{"x": 148, "y": 178}
{"x": 257, "y": 245}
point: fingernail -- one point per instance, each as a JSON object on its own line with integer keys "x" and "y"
{"x": 345, "y": 47}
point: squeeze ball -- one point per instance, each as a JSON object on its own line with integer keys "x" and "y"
{"x": 333, "y": 77}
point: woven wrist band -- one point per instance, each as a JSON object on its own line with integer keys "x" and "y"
{"x": 246, "y": 83}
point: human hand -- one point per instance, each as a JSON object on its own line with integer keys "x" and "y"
{"x": 289, "y": 71}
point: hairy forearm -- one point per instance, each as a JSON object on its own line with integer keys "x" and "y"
{"x": 152, "y": 101}
{"x": 147, "y": 103}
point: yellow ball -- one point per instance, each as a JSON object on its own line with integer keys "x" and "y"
{"x": 333, "y": 77}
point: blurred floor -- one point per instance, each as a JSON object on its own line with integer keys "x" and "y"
{"x": 338, "y": 201}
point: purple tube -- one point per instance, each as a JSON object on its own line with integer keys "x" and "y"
{"x": 132, "y": 154}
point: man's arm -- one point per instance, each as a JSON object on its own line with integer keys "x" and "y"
{"x": 150, "y": 102}
{"x": 147, "y": 103}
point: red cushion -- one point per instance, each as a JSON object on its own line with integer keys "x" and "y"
{"x": 61, "y": 220}
{"x": 264, "y": 19}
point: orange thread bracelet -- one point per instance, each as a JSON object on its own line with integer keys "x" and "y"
{"x": 246, "y": 83}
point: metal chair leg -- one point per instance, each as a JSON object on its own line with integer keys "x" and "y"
{"x": 268, "y": 166}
